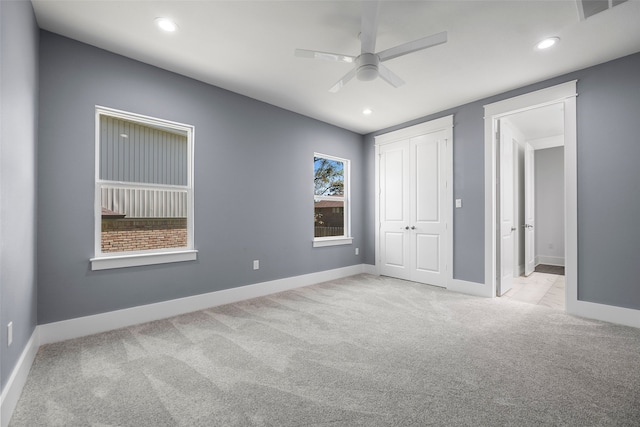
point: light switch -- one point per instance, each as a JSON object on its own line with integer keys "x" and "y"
{"x": 458, "y": 203}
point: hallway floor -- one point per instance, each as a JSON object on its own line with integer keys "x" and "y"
{"x": 539, "y": 288}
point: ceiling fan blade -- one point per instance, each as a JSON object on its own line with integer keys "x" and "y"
{"x": 413, "y": 46}
{"x": 343, "y": 81}
{"x": 389, "y": 76}
{"x": 369, "y": 26}
{"x": 327, "y": 56}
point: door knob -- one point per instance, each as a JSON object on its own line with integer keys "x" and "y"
{"x": 406, "y": 228}
{"x": 513, "y": 229}
{"x": 413, "y": 227}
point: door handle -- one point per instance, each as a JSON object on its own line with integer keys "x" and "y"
{"x": 513, "y": 229}
{"x": 413, "y": 227}
{"x": 404, "y": 228}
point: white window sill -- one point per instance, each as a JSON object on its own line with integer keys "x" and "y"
{"x": 134, "y": 260}
{"x": 331, "y": 241}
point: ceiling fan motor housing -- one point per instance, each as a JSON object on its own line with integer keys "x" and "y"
{"x": 367, "y": 65}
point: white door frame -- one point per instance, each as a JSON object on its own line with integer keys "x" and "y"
{"x": 529, "y": 209}
{"x": 444, "y": 123}
{"x": 565, "y": 93}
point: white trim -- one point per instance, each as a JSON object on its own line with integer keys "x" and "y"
{"x": 528, "y": 101}
{"x": 370, "y": 269}
{"x": 135, "y": 260}
{"x": 376, "y": 213}
{"x": 571, "y": 208}
{"x": 102, "y": 261}
{"x": 346, "y": 239}
{"x": 443, "y": 123}
{"x": 88, "y": 325}
{"x": 13, "y": 388}
{"x": 416, "y": 130}
{"x": 565, "y": 93}
{"x": 320, "y": 242}
{"x": 606, "y": 313}
{"x": 471, "y": 288}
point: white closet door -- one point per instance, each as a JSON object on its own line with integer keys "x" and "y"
{"x": 428, "y": 222}
{"x": 394, "y": 210}
{"x": 412, "y": 215}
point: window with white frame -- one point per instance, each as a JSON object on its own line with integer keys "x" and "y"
{"x": 331, "y": 201}
{"x": 143, "y": 191}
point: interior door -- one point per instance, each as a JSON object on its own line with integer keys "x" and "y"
{"x": 394, "y": 210}
{"x": 506, "y": 200}
{"x": 428, "y": 195}
{"x": 529, "y": 210}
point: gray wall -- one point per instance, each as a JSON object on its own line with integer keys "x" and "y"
{"x": 18, "y": 130}
{"x": 608, "y": 107}
{"x": 253, "y": 184}
{"x": 549, "y": 196}
{"x": 608, "y": 183}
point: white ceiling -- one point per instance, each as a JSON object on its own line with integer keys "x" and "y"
{"x": 247, "y": 47}
{"x": 539, "y": 123}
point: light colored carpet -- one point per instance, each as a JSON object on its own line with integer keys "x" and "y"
{"x": 361, "y": 351}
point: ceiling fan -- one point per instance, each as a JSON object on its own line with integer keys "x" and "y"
{"x": 369, "y": 65}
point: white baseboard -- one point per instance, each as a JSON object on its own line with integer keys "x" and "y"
{"x": 370, "y": 269}
{"x": 606, "y": 313}
{"x": 13, "y": 388}
{"x": 550, "y": 260}
{"x": 471, "y": 288}
{"x": 89, "y": 325}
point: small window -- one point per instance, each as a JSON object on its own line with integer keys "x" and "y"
{"x": 331, "y": 201}
{"x": 144, "y": 190}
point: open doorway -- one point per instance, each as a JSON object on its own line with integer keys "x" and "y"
{"x": 536, "y": 233}
{"x": 564, "y": 93}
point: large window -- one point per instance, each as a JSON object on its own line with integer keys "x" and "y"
{"x": 331, "y": 218}
{"x": 144, "y": 190}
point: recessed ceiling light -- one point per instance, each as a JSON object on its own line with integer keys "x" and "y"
{"x": 547, "y": 43}
{"x": 166, "y": 24}
{"x": 367, "y": 111}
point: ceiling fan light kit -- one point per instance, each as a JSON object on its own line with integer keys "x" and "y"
{"x": 368, "y": 65}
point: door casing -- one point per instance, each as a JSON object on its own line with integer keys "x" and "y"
{"x": 564, "y": 93}
{"x": 529, "y": 210}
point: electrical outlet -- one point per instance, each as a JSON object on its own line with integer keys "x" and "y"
{"x": 9, "y": 333}
{"x": 357, "y": 251}
{"x": 256, "y": 264}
